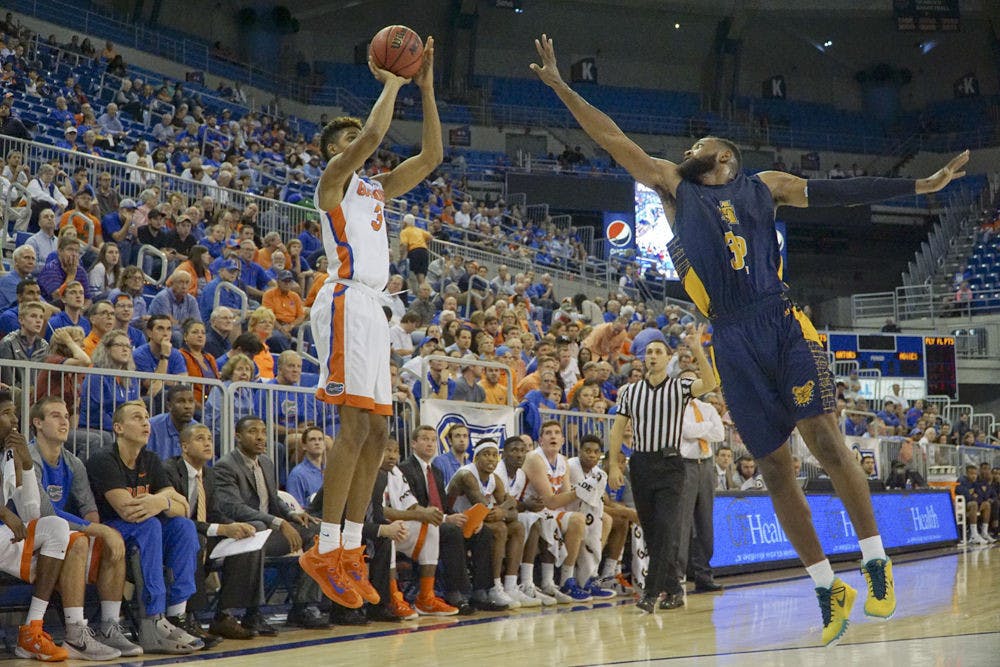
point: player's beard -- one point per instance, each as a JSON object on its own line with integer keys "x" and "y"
{"x": 693, "y": 168}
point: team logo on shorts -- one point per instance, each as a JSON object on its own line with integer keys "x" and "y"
{"x": 334, "y": 388}
{"x": 803, "y": 395}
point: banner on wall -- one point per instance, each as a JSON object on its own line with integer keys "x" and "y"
{"x": 619, "y": 234}
{"x": 496, "y": 422}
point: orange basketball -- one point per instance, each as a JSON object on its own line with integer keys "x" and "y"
{"x": 397, "y": 49}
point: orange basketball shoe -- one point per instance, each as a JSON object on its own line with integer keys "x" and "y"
{"x": 327, "y": 570}
{"x": 34, "y": 642}
{"x": 353, "y": 563}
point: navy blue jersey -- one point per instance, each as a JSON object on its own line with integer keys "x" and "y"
{"x": 725, "y": 247}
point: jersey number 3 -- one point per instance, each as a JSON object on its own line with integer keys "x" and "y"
{"x": 377, "y": 222}
{"x": 737, "y": 246}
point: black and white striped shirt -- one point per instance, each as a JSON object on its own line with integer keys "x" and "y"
{"x": 657, "y": 412}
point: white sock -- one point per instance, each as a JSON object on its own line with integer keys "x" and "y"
{"x": 510, "y": 582}
{"x": 498, "y": 584}
{"x": 548, "y": 574}
{"x": 527, "y": 573}
{"x": 74, "y": 615}
{"x": 821, "y": 573}
{"x": 111, "y": 610}
{"x": 329, "y": 537}
{"x": 36, "y": 611}
{"x": 871, "y": 549}
{"x": 177, "y": 609}
{"x": 608, "y": 570}
{"x": 352, "y": 535}
{"x": 566, "y": 573}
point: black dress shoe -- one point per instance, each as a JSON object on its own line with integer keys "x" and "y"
{"x": 343, "y": 616}
{"x": 307, "y": 616}
{"x": 380, "y": 614}
{"x": 672, "y": 601}
{"x": 707, "y": 586}
{"x": 189, "y": 624}
{"x": 647, "y": 603}
{"x": 465, "y": 609}
{"x": 255, "y": 622}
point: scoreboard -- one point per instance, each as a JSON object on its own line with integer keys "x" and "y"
{"x": 929, "y": 359}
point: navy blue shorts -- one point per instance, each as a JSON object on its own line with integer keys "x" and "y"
{"x": 774, "y": 372}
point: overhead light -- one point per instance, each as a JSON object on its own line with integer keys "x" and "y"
{"x": 677, "y": 26}
{"x": 828, "y": 43}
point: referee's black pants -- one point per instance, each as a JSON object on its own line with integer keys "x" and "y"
{"x": 657, "y": 486}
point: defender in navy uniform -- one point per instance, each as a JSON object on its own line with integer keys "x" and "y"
{"x": 774, "y": 372}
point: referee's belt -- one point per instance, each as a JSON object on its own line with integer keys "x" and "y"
{"x": 666, "y": 452}
{"x": 699, "y": 461}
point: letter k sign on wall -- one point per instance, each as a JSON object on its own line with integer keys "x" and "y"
{"x": 774, "y": 88}
{"x": 967, "y": 86}
{"x": 584, "y": 71}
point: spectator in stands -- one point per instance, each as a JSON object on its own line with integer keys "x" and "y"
{"x": 11, "y": 125}
{"x": 247, "y": 492}
{"x": 977, "y": 505}
{"x": 26, "y": 342}
{"x": 200, "y": 363}
{"x": 237, "y": 368}
{"x": 62, "y": 270}
{"x": 253, "y": 279}
{"x": 127, "y": 99}
{"x": 456, "y": 436}
{"x": 165, "y": 429}
{"x": 605, "y": 340}
{"x": 748, "y": 476}
{"x": 24, "y": 266}
{"x": 288, "y": 308}
{"x": 106, "y": 272}
{"x": 725, "y": 479}
{"x": 158, "y": 355}
{"x": 438, "y": 381}
{"x": 45, "y": 193}
{"x": 80, "y": 215}
{"x": 227, "y": 272}
{"x": 101, "y": 316}
{"x": 124, "y": 310}
{"x": 133, "y": 508}
{"x": 164, "y": 131}
{"x": 117, "y": 226}
{"x": 176, "y": 303}
{"x": 306, "y": 478}
{"x": 963, "y": 298}
{"x": 220, "y": 331}
{"x": 100, "y": 395}
{"x": 413, "y": 246}
{"x": 72, "y": 312}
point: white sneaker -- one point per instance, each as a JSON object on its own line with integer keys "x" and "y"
{"x": 553, "y": 591}
{"x": 516, "y": 595}
{"x": 976, "y": 538}
{"x": 531, "y": 591}
{"x": 81, "y": 644}
{"x": 986, "y": 536}
{"x": 498, "y": 597}
{"x": 113, "y": 635}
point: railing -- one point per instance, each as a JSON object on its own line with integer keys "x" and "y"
{"x": 457, "y": 361}
{"x": 924, "y": 301}
{"x": 240, "y": 294}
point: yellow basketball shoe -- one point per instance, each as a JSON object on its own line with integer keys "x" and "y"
{"x": 835, "y": 604}
{"x": 881, "y": 601}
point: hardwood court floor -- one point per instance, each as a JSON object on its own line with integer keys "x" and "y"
{"x": 949, "y": 614}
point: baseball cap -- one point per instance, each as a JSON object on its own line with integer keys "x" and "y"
{"x": 233, "y": 243}
{"x": 285, "y": 275}
{"x": 230, "y": 264}
{"x": 501, "y": 350}
{"x": 128, "y": 203}
{"x": 428, "y": 339}
{"x": 70, "y": 129}
{"x": 85, "y": 190}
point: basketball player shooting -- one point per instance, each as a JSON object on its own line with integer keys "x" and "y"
{"x": 349, "y": 327}
{"x": 774, "y": 371}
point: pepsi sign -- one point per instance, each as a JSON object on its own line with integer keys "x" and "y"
{"x": 619, "y": 233}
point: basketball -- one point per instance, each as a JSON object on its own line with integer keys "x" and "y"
{"x": 397, "y": 49}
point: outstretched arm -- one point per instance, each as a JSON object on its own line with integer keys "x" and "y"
{"x": 412, "y": 171}
{"x": 352, "y": 158}
{"x": 658, "y": 174}
{"x": 789, "y": 190}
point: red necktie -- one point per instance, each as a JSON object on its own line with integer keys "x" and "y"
{"x": 432, "y": 490}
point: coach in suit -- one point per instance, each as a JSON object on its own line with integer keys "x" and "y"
{"x": 427, "y": 484}
{"x": 241, "y": 588}
{"x": 247, "y": 492}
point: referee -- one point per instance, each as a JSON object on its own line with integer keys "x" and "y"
{"x": 656, "y": 410}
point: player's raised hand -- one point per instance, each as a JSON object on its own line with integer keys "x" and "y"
{"x": 945, "y": 175}
{"x": 548, "y": 71}
{"x": 384, "y": 76}
{"x": 424, "y": 78}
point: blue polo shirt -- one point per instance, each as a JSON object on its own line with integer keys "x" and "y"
{"x": 447, "y": 464}
{"x": 146, "y": 361}
{"x": 304, "y": 481}
{"x": 164, "y": 438}
{"x": 435, "y": 387}
{"x": 61, "y": 319}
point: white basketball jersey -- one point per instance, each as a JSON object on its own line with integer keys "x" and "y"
{"x": 515, "y": 485}
{"x": 398, "y": 494}
{"x": 556, "y": 473}
{"x": 589, "y": 488}
{"x": 354, "y": 235}
{"x": 489, "y": 488}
